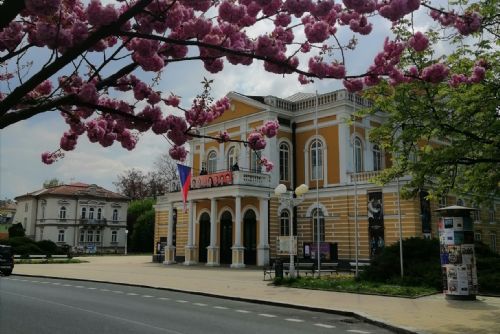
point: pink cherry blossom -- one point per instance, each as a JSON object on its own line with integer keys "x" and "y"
{"x": 419, "y": 42}
{"x": 256, "y": 141}
{"x": 435, "y": 73}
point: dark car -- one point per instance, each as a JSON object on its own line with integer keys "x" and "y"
{"x": 6, "y": 260}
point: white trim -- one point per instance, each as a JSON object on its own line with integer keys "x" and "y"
{"x": 249, "y": 207}
{"x": 222, "y": 210}
{"x": 290, "y": 158}
{"x": 308, "y": 162}
{"x": 199, "y": 216}
{"x": 319, "y": 205}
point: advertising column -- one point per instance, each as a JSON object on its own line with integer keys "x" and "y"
{"x": 458, "y": 262}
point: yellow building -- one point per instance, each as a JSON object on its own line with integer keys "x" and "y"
{"x": 233, "y": 216}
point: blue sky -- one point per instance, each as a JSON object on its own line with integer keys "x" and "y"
{"x": 21, "y": 145}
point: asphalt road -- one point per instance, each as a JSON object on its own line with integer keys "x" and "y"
{"x": 52, "y": 306}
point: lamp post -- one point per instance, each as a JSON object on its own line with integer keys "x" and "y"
{"x": 126, "y": 240}
{"x": 287, "y": 199}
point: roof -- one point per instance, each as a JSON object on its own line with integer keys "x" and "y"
{"x": 299, "y": 96}
{"x": 76, "y": 189}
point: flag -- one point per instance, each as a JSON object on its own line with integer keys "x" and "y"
{"x": 185, "y": 176}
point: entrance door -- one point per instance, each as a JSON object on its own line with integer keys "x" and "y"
{"x": 250, "y": 237}
{"x": 226, "y": 237}
{"x": 204, "y": 237}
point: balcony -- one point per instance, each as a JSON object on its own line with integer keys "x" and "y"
{"x": 93, "y": 222}
{"x": 225, "y": 178}
{"x": 363, "y": 177}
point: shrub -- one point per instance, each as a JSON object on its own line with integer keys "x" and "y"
{"x": 48, "y": 247}
{"x": 27, "y": 249}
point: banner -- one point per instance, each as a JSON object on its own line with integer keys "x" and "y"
{"x": 185, "y": 177}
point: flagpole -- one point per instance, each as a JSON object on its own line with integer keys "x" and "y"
{"x": 318, "y": 230}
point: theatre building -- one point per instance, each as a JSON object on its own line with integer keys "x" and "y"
{"x": 233, "y": 217}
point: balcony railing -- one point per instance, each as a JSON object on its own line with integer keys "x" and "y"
{"x": 363, "y": 177}
{"x": 93, "y": 222}
{"x": 221, "y": 179}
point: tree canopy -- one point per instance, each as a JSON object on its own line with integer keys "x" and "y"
{"x": 96, "y": 52}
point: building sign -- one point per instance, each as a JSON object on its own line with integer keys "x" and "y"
{"x": 283, "y": 245}
{"x": 212, "y": 180}
{"x": 375, "y": 222}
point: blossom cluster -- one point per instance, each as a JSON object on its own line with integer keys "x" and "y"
{"x": 159, "y": 34}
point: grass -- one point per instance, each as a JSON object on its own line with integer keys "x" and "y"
{"x": 48, "y": 261}
{"x": 344, "y": 283}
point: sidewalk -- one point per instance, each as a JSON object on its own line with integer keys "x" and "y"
{"x": 432, "y": 314}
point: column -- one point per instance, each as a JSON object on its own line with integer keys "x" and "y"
{"x": 238, "y": 250}
{"x": 213, "y": 250}
{"x": 263, "y": 247}
{"x": 190, "y": 249}
{"x": 345, "y": 149}
{"x": 170, "y": 249}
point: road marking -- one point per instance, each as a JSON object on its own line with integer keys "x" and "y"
{"x": 79, "y": 286}
{"x": 294, "y": 320}
{"x": 92, "y": 288}
{"x": 105, "y": 290}
{"x": 199, "y": 304}
{"x": 55, "y": 283}
{"x": 242, "y": 311}
{"x": 181, "y": 301}
{"x": 162, "y": 298}
{"x": 67, "y": 285}
{"x": 220, "y": 307}
{"x": 267, "y": 315}
{"x": 44, "y": 282}
{"x": 147, "y": 296}
{"x": 324, "y": 326}
{"x": 117, "y": 291}
{"x": 357, "y": 331}
{"x": 132, "y": 294}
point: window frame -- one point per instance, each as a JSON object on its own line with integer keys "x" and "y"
{"x": 115, "y": 215}
{"x": 284, "y": 160}
{"x": 358, "y": 154}
{"x": 285, "y": 222}
{"x": 231, "y": 157}
{"x": 212, "y": 161}
{"x": 322, "y": 232}
{"x": 83, "y": 213}
{"x": 60, "y": 236}
{"x": 377, "y": 158}
{"x": 62, "y": 213}
{"x": 316, "y": 148}
{"x": 114, "y": 237}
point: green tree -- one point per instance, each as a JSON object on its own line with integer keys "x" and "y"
{"x": 16, "y": 230}
{"x": 446, "y": 135}
{"x": 52, "y": 183}
{"x": 140, "y": 224}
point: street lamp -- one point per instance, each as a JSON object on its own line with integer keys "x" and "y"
{"x": 287, "y": 199}
{"x": 126, "y": 239}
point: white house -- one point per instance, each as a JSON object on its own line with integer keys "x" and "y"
{"x": 88, "y": 218}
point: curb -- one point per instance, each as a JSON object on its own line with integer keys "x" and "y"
{"x": 362, "y": 317}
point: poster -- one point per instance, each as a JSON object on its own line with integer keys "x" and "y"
{"x": 375, "y": 222}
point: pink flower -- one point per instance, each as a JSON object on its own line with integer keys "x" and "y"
{"x": 178, "y": 153}
{"x": 88, "y": 93}
{"x": 268, "y": 165}
{"x": 42, "y": 7}
{"x": 270, "y": 128}
{"x": 44, "y": 88}
{"x": 68, "y": 141}
{"x": 353, "y": 85}
{"x": 256, "y": 141}
{"x": 172, "y": 100}
{"x": 419, "y": 42}
{"x": 435, "y": 73}
{"x": 223, "y": 137}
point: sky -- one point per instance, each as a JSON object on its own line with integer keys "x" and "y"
{"x": 21, "y": 144}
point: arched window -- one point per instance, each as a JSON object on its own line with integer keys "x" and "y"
{"x": 317, "y": 216}
{"x": 285, "y": 223}
{"x": 316, "y": 156}
{"x": 377, "y": 158}
{"x": 358, "y": 155}
{"x": 91, "y": 213}
{"x": 115, "y": 215}
{"x": 284, "y": 161}
{"x": 84, "y": 213}
{"x": 62, "y": 212}
{"x": 231, "y": 158}
{"x": 254, "y": 162}
{"x": 99, "y": 213}
{"x": 212, "y": 162}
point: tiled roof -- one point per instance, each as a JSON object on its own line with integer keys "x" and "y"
{"x": 299, "y": 96}
{"x": 77, "y": 189}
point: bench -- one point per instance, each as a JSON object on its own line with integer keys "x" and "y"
{"x": 327, "y": 267}
{"x": 300, "y": 267}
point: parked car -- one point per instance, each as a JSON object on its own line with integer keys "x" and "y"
{"x": 6, "y": 260}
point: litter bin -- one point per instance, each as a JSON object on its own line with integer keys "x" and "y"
{"x": 278, "y": 268}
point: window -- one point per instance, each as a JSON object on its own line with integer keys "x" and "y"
{"x": 43, "y": 211}
{"x": 91, "y": 213}
{"x": 84, "y": 213}
{"x": 442, "y": 201}
{"x": 316, "y": 156}
{"x": 491, "y": 214}
{"x": 254, "y": 162}
{"x": 231, "y": 158}
{"x": 285, "y": 223}
{"x": 97, "y": 236}
{"x": 115, "y": 215}
{"x": 493, "y": 242}
{"x": 60, "y": 236}
{"x": 212, "y": 162}
{"x": 90, "y": 236}
{"x": 82, "y": 236}
{"x": 25, "y": 207}
{"x": 284, "y": 161}
{"x": 475, "y": 214}
{"x": 358, "y": 155}
{"x": 317, "y": 215}
{"x": 377, "y": 158}
{"x": 99, "y": 213}
{"x": 62, "y": 212}
{"x": 114, "y": 237}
